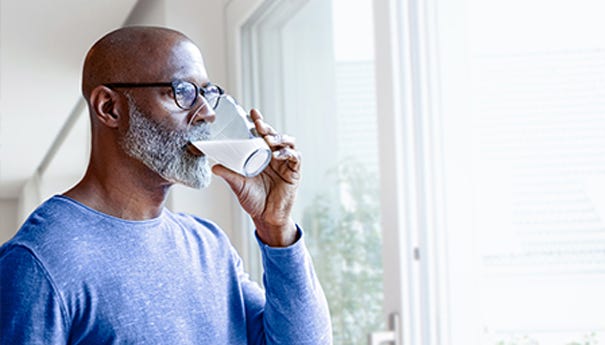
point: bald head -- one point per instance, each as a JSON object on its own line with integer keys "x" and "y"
{"x": 131, "y": 54}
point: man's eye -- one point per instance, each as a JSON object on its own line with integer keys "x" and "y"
{"x": 180, "y": 91}
{"x": 184, "y": 92}
{"x": 211, "y": 91}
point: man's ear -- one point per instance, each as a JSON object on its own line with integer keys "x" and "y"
{"x": 107, "y": 105}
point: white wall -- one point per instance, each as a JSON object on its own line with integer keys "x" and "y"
{"x": 8, "y": 219}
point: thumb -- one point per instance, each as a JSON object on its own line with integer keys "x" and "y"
{"x": 233, "y": 179}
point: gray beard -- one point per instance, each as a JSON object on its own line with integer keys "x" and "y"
{"x": 164, "y": 150}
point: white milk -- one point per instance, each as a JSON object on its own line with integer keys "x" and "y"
{"x": 247, "y": 157}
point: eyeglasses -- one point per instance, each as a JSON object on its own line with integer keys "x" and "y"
{"x": 184, "y": 92}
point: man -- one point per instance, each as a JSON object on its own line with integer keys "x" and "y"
{"x": 106, "y": 263}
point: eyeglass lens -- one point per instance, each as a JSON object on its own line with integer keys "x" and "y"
{"x": 185, "y": 94}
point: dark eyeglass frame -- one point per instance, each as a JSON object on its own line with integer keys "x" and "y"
{"x": 203, "y": 91}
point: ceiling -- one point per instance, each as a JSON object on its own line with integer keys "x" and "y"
{"x": 42, "y": 46}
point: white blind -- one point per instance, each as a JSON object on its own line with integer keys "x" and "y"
{"x": 541, "y": 132}
{"x": 525, "y": 171}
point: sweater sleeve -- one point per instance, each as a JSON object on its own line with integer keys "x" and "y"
{"x": 31, "y": 310}
{"x": 296, "y": 311}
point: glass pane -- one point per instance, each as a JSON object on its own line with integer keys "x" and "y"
{"x": 526, "y": 172}
{"x": 329, "y": 106}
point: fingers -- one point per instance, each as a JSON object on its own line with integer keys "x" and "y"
{"x": 287, "y": 154}
{"x": 282, "y": 145}
{"x": 290, "y": 156}
{"x": 280, "y": 140}
{"x": 262, "y": 128}
{"x": 284, "y": 149}
{"x": 234, "y": 180}
{"x": 271, "y": 136}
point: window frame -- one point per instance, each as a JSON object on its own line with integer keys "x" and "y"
{"x": 411, "y": 160}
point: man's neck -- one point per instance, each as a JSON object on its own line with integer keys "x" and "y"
{"x": 127, "y": 197}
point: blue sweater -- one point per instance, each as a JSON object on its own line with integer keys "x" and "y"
{"x": 72, "y": 275}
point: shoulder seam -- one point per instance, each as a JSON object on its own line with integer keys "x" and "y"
{"x": 51, "y": 281}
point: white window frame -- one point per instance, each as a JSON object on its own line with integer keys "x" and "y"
{"x": 410, "y": 160}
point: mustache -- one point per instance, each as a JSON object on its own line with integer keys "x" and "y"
{"x": 199, "y": 132}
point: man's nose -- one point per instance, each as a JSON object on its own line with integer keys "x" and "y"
{"x": 204, "y": 113}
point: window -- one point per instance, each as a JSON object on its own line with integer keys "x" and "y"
{"x": 461, "y": 160}
{"x": 313, "y": 65}
{"x": 523, "y": 120}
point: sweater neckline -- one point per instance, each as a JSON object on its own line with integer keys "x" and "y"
{"x": 97, "y": 213}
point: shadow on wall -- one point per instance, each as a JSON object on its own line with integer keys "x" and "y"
{"x": 8, "y": 219}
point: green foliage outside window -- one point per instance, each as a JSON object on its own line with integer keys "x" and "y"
{"x": 343, "y": 227}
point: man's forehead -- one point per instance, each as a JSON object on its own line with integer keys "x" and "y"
{"x": 186, "y": 62}
{"x": 162, "y": 62}
{"x": 142, "y": 54}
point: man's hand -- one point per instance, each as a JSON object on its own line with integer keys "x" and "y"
{"x": 269, "y": 196}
